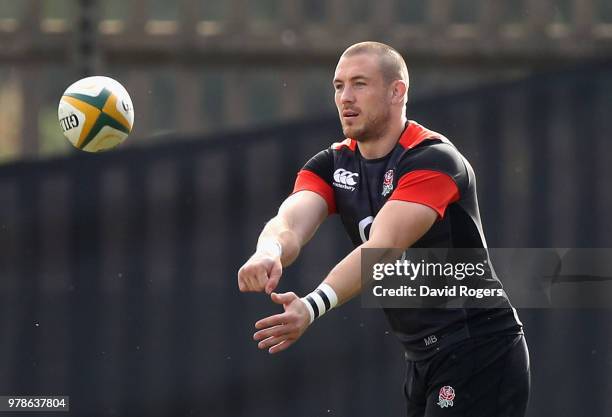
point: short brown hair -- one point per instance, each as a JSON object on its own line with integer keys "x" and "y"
{"x": 392, "y": 65}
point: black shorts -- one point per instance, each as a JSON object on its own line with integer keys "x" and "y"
{"x": 486, "y": 376}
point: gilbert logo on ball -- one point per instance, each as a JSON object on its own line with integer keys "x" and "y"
{"x": 96, "y": 114}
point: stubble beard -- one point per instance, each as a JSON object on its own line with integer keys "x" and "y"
{"x": 372, "y": 129}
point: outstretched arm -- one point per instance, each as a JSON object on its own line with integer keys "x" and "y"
{"x": 281, "y": 240}
{"x": 399, "y": 224}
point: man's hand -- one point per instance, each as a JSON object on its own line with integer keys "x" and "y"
{"x": 276, "y": 333}
{"x": 261, "y": 272}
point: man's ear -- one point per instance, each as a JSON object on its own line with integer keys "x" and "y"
{"x": 398, "y": 91}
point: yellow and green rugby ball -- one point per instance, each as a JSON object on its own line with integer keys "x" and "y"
{"x": 96, "y": 114}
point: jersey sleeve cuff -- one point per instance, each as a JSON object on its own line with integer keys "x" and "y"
{"x": 309, "y": 181}
{"x": 434, "y": 189}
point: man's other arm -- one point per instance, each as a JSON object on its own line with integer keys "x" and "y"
{"x": 398, "y": 225}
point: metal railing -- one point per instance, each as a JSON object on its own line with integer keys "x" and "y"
{"x": 433, "y": 29}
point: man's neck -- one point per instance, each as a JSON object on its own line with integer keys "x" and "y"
{"x": 381, "y": 146}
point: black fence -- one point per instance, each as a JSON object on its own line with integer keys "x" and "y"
{"x": 118, "y": 271}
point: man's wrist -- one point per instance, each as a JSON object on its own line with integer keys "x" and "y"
{"x": 320, "y": 301}
{"x": 271, "y": 247}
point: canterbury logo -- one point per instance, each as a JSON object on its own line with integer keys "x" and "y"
{"x": 342, "y": 176}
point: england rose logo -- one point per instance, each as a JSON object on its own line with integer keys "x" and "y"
{"x": 446, "y": 396}
{"x": 387, "y": 183}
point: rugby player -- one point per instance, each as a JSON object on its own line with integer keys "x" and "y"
{"x": 394, "y": 184}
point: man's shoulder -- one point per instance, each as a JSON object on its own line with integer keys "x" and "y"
{"x": 434, "y": 154}
{"x": 433, "y": 148}
{"x": 346, "y": 144}
{"x": 416, "y": 134}
{"x": 341, "y": 145}
{"x": 420, "y": 142}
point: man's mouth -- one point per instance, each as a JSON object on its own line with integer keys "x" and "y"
{"x": 349, "y": 113}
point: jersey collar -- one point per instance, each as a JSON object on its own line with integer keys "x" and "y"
{"x": 414, "y": 134}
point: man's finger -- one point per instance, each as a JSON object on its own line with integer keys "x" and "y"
{"x": 248, "y": 284}
{"x": 271, "y": 341}
{"x": 271, "y": 285}
{"x": 281, "y": 346}
{"x": 271, "y": 321}
{"x": 284, "y": 298}
{"x": 274, "y": 277}
{"x": 257, "y": 282}
{"x": 261, "y": 278}
{"x": 272, "y": 331}
{"x": 243, "y": 279}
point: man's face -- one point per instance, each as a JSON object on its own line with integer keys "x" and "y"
{"x": 362, "y": 97}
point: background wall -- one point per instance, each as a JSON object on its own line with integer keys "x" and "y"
{"x": 205, "y": 66}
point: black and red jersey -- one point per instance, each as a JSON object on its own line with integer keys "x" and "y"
{"x": 426, "y": 168}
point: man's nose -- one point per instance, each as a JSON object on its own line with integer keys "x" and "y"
{"x": 347, "y": 95}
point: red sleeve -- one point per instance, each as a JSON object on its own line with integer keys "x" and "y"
{"x": 308, "y": 180}
{"x": 431, "y": 188}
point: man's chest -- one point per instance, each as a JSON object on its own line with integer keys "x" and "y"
{"x": 361, "y": 188}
